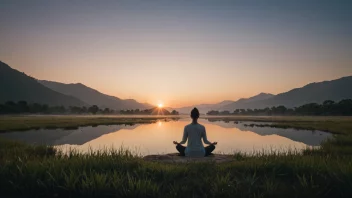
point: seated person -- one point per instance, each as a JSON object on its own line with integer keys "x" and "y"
{"x": 194, "y": 132}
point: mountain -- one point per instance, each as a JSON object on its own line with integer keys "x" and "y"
{"x": 261, "y": 96}
{"x": 203, "y": 108}
{"x": 94, "y": 97}
{"x": 17, "y": 86}
{"x": 335, "y": 90}
{"x": 244, "y": 101}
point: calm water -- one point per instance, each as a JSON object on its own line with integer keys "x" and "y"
{"x": 157, "y": 138}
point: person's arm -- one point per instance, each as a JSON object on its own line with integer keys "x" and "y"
{"x": 205, "y": 139}
{"x": 185, "y": 136}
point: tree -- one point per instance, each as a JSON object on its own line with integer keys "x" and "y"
{"x": 328, "y": 103}
{"x": 75, "y": 110}
{"x": 22, "y": 106}
{"x": 84, "y": 110}
{"x": 2, "y": 109}
{"x": 35, "y": 108}
{"x": 267, "y": 111}
{"x": 10, "y": 103}
{"x": 328, "y": 107}
{"x": 225, "y": 113}
{"x": 57, "y": 109}
{"x": 345, "y": 107}
{"x": 45, "y": 109}
{"x": 242, "y": 111}
{"x": 174, "y": 112}
{"x": 236, "y": 112}
{"x": 93, "y": 109}
{"x": 10, "y": 107}
{"x": 281, "y": 110}
{"x": 249, "y": 111}
{"x": 212, "y": 112}
{"x": 106, "y": 111}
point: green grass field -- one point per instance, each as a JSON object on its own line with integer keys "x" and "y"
{"x": 21, "y": 123}
{"x": 333, "y": 124}
{"x": 41, "y": 171}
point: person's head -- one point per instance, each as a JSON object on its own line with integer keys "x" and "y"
{"x": 194, "y": 114}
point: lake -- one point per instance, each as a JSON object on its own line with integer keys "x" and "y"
{"x": 156, "y": 138}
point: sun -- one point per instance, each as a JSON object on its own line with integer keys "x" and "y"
{"x": 160, "y": 105}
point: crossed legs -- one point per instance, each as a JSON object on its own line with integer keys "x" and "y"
{"x": 208, "y": 149}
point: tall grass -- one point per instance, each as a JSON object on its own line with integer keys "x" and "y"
{"x": 45, "y": 172}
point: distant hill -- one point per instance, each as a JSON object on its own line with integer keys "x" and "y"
{"x": 335, "y": 90}
{"x": 261, "y": 96}
{"x": 244, "y": 101}
{"x": 16, "y": 86}
{"x": 203, "y": 108}
{"x": 94, "y": 97}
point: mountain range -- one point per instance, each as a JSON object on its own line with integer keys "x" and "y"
{"x": 92, "y": 96}
{"x": 203, "y": 108}
{"x": 16, "y": 86}
{"x": 317, "y": 92}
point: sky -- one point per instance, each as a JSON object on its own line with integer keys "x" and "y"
{"x": 179, "y": 52}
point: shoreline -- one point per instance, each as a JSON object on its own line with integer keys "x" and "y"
{"x": 29, "y": 122}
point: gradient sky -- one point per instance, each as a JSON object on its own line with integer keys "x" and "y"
{"x": 179, "y": 52}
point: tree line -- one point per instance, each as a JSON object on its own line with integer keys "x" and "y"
{"x": 22, "y": 107}
{"x": 327, "y": 108}
{"x": 146, "y": 112}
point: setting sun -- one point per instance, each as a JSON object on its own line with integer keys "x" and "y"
{"x": 160, "y": 105}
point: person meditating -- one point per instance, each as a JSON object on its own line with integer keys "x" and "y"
{"x": 194, "y": 132}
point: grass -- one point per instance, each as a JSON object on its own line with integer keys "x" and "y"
{"x": 42, "y": 171}
{"x": 38, "y": 171}
{"x": 336, "y": 125}
{"x": 22, "y": 123}
{"x": 279, "y": 118}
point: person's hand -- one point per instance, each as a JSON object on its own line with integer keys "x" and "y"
{"x": 175, "y": 142}
{"x": 214, "y": 143}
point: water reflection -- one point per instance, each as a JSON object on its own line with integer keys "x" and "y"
{"x": 59, "y": 136}
{"x": 311, "y": 138}
{"x": 157, "y": 138}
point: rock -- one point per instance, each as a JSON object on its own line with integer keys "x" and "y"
{"x": 175, "y": 158}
